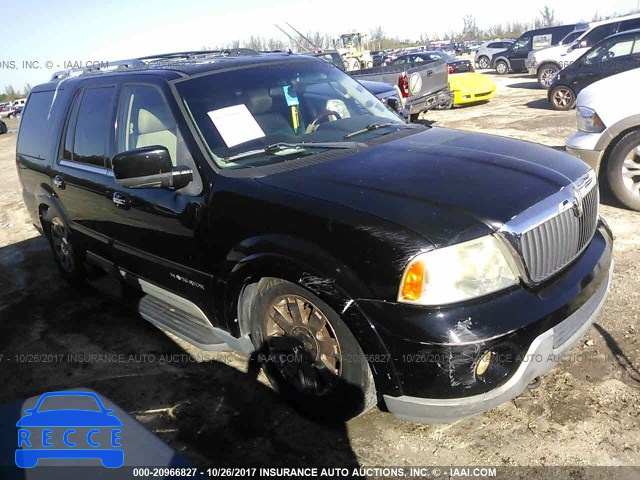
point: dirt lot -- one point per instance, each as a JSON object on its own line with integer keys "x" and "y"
{"x": 585, "y": 412}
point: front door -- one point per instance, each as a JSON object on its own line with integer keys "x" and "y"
{"x": 157, "y": 232}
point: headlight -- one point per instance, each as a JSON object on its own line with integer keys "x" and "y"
{"x": 588, "y": 120}
{"x": 456, "y": 273}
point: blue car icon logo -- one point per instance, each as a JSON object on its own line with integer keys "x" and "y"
{"x": 69, "y": 425}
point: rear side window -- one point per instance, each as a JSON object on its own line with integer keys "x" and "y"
{"x": 629, "y": 25}
{"x": 34, "y": 129}
{"x": 88, "y": 129}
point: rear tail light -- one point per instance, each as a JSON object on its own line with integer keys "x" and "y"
{"x": 450, "y": 68}
{"x": 403, "y": 85}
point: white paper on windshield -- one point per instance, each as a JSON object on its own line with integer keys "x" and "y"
{"x": 235, "y": 124}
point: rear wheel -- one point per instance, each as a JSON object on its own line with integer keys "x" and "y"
{"x": 563, "y": 98}
{"x": 309, "y": 354}
{"x": 502, "y": 67}
{"x": 622, "y": 170}
{"x": 483, "y": 62}
{"x": 546, "y": 74}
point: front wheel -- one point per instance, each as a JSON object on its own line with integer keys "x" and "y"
{"x": 563, "y": 98}
{"x": 546, "y": 74}
{"x": 309, "y": 355}
{"x": 622, "y": 170}
{"x": 502, "y": 67}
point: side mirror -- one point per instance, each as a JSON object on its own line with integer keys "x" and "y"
{"x": 149, "y": 167}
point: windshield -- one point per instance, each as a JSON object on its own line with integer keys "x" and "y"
{"x": 256, "y": 108}
{"x": 571, "y": 37}
{"x": 350, "y": 41}
{"x": 69, "y": 402}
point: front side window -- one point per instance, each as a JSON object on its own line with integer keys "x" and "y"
{"x": 609, "y": 50}
{"x": 144, "y": 120}
{"x": 257, "y": 109}
{"x": 523, "y": 43}
{"x": 89, "y": 132}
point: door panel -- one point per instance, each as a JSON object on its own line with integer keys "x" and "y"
{"x": 157, "y": 233}
{"x": 80, "y": 177}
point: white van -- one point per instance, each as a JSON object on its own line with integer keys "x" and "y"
{"x": 19, "y": 103}
{"x": 547, "y": 62}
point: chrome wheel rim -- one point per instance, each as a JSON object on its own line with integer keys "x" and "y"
{"x": 483, "y": 63}
{"x": 502, "y": 67}
{"x": 631, "y": 170}
{"x": 547, "y": 76}
{"x": 303, "y": 345}
{"x": 562, "y": 97}
{"x": 61, "y": 245}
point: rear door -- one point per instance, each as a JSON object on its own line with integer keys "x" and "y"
{"x": 80, "y": 176}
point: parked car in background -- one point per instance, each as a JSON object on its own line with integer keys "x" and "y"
{"x": 474, "y": 46}
{"x": 19, "y": 102}
{"x": 486, "y": 51}
{"x": 615, "y": 54}
{"x": 454, "y": 65}
{"x": 8, "y": 111}
{"x": 547, "y": 62}
{"x": 546, "y": 74}
{"x": 376, "y": 57}
{"x": 470, "y": 87}
{"x": 513, "y": 58}
{"x": 608, "y": 135}
{"x": 462, "y": 49}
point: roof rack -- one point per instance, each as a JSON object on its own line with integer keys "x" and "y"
{"x": 149, "y": 61}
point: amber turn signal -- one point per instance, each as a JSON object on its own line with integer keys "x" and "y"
{"x": 413, "y": 281}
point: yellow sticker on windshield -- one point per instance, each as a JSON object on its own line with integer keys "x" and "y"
{"x": 295, "y": 118}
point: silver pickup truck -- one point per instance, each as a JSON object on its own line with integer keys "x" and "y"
{"x": 422, "y": 86}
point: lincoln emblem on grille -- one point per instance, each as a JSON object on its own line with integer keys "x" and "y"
{"x": 578, "y": 208}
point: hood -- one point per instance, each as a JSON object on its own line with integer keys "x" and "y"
{"x": 473, "y": 81}
{"x": 447, "y": 185}
{"x": 602, "y": 96}
{"x": 550, "y": 53}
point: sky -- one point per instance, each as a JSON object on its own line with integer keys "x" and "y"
{"x": 47, "y": 34}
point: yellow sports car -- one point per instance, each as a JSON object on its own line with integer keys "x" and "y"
{"x": 471, "y": 87}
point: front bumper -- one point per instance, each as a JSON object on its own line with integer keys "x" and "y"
{"x": 543, "y": 354}
{"x": 463, "y": 97}
{"x": 434, "y": 352}
{"x": 584, "y": 146}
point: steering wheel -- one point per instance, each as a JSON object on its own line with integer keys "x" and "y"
{"x": 313, "y": 126}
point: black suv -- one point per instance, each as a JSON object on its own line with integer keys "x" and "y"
{"x": 514, "y": 57}
{"x": 615, "y": 54}
{"x": 270, "y": 204}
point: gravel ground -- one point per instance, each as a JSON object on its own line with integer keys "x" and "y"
{"x": 217, "y": 411}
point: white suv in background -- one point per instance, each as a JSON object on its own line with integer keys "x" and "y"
{"x": 608, "y": 136}
{"x": 487, "y": 49}
{"x": 547, "y": 62}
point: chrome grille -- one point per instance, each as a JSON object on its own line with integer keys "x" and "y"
{"x": 554, "y": 243}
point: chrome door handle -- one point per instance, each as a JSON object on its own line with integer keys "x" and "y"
{"x": 58, "y": 181}
{"x": 120, "y": 200}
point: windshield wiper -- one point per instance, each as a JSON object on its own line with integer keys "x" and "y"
{"x": 278, "y": 147}
{"x": 376, "y": 126}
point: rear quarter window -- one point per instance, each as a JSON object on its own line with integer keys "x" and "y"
{"x": 33, "y": 140}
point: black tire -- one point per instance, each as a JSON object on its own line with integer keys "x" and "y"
{"x": 502, "y": 67}
{"x": 333, "y": 393}
{"x": 69, "y": 258}
{"x": 616, "y": 170}
{"x": 562, "y": 98}
{"x": 3, "y": 127}
{"x": 546, "y": 74}
{"x": 413, "y": 117}
{"x": 483, "y": 62}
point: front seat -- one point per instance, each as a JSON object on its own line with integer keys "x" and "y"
{"x": 153, "y": 131}
{"x": 261, "y": 106}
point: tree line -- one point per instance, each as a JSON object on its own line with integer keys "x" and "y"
{"x": 11, "y": 93}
